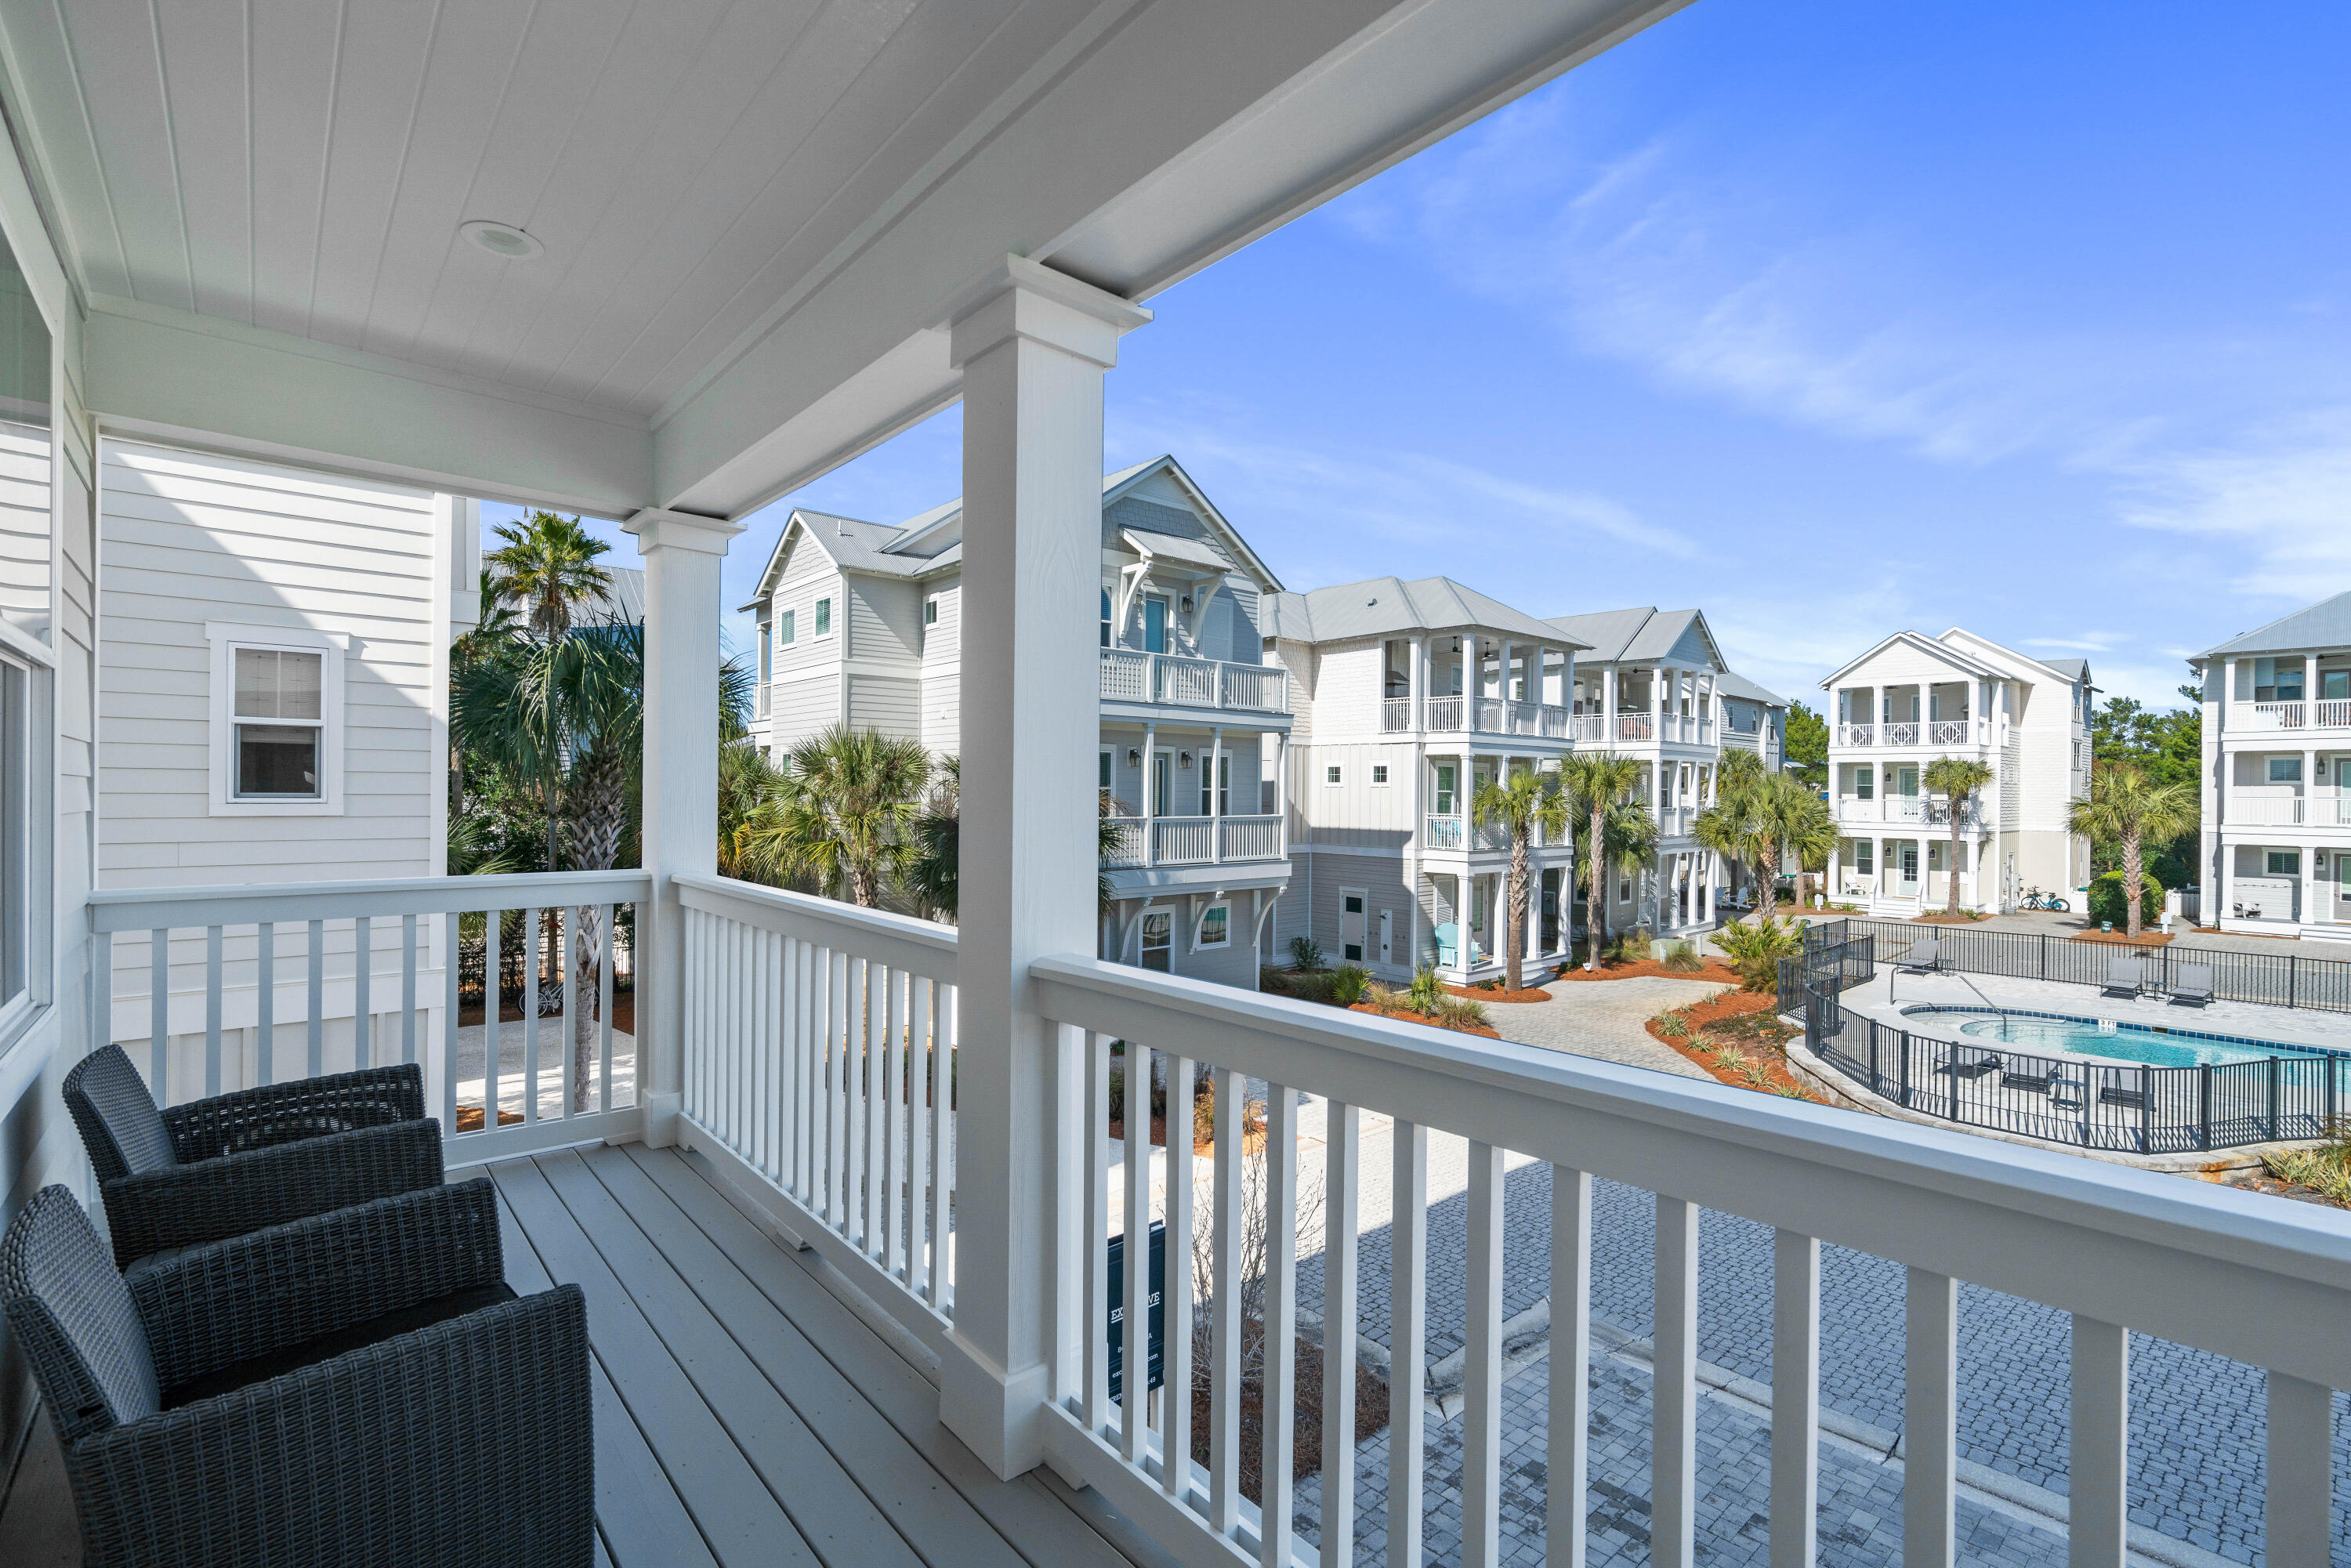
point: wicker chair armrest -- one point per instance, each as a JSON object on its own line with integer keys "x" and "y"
{"x": 464, "y": 1443}
{"x": 233, "y": 1194}
{"x": 304, "y": 1108}
{"x": 255, "y": 1294}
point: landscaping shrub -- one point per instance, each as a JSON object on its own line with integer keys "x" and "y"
{"x": 1755, "y": 951}
{"x": 1672, "y": 1025}
{"x": 1459, "y": 1012}
{"x": 1347, "y": 983}
{"x": 2108, "y": 902}
{"x": 1682, "y": 958}
{"x": 1426, "y": 991}
{"x": 1305, "y": 954}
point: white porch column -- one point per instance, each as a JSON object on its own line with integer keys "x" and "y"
{"x": 2228, "y": 689}
{"x": 1032, "y": 352}
{"x": 2309, "y": 692}
{"x": 1707, "y": 870}
{"x": 1608, "y": 707}
{"x": 1282, "y": 790}
{"x": 1416, "y": 684}
{"x": 1502, "y": 681}
{"x": 682, "y": 552}
{"x": 1215, "y": 795}
{"x": 1150, "y": 795}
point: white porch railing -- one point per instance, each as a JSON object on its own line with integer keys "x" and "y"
{"x": 2327, "y": 810}
{"x": 1905, "y": 809}
{"x": 1636, "y": 727}
{"x": 819, "y": 1042}
{"x": 1555, "y": 721}
{"x": 1396, "y": 714}
{"x": 1444, "y": 713}
{"x": 1443, "y": 833}
{"x": 2331, "y": 713}
{"x": 1260, "y": 688}
{"x": 1903, "y": 732}
{"x": 1125, "y": 676}
{"x": 1182, "y": 841}
{"x": 760, "y": 700}
{"x": 2124, "y": 1252}
{"x": 1133, "y": 847}
{"x": 1129, "y": 675}
{"x": 1856, "y": 734}
{"x": 1250, "y": 838}
{"x": 1956, "y": 732}
{"x": 1589, "y": 726}
{"x": 1487, "y": 715}
{"x": 269, "y": 983}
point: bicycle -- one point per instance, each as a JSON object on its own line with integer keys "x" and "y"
{"x": 2036, "y": 899}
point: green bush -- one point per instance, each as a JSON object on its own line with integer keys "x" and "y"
{"x": 2108, "y": 902}
{"x": 1425, "y": 992}
{"x": 1460, "y": 1012}
{"x": 1673, "y": 1026}
{"x": 1755, "y": 951}
{"x": 1347, "y": 983}
{"x": 1682, "y": 958}
{"x": 1305, "y": 954}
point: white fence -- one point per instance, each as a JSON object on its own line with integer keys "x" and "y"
{"x": 1128, "y": 675}
{"x": 2123, "y": 1251}
{"x": 264, "y": 984}
{"x": 819, "y": 1070}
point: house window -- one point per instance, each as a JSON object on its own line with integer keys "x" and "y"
{"x": 1102, "y": 776}
{"x": 1379, "y": 772}
{"x": 1217, "y": 784}
{"x": 2285, "y": 769}
{"x": 2285, "y": 862}
{"x": 1624, "y": 890}
{"x": 930, "y": 611}
{"x": 276, "y": 721}
{"x": 1161, "y": 764}
{"x": 1158, "y": 939}
{"x": 1444, "y": 778}
{"x": 1154, "y": 625}
{"x": 1334, "y": 774}
{"x": 1865, "y": 857}
{"x": 1864, "y": 782}
{"x": 1217, "y": 926}
{"x": 785, "y": 634}
{"x": 824, "y": 616}
{"x": 2333, "y": 685}
{"x": 1105, "y": 618}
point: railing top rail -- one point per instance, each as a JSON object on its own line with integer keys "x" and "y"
{"x": 901, "y": 941}
{"x": 2080, "y": 1235}
{"x": 150, "y": 908}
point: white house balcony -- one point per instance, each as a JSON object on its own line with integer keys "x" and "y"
{"x": 1937, "y": 732}
{"x": 759, "y": 699}
{"x": 1604, "y": 729}
{"x": 2331, "y": 714}
{"x": 1198, "y": 840}
{"x": 1479, "y": 715}
{"x": 1169, "y": 680}
{"x": 2328, "y": 811}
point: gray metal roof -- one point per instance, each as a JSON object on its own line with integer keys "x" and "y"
{"x": 2325, "y": 624}
{"x": 1731, "y": 685}
{"x": 2072, "y": 669}
{"x": 1386, "y": 606}
{"x": 1635, "y": 635}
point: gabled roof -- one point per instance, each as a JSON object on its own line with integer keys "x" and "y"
{"x": 2325, "y": 624}
{"x": 1384, "y": 606}
{"x": 1924, "y": 644}
{"x": 914, "y": 548}
{"x": 2062, "y": 669}
{"x": 1731, "y": 685}
{"x": 1638, "y": 636}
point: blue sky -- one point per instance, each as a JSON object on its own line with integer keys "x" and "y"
{"x": 1830, "y": 318}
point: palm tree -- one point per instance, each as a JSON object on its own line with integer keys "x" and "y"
{"x": 745, "y": 778}
{"x": 1791, "y": 818}
{"x": 1519, "y": 803}
{"x": 1731, "y": 826}
{"x": 934, "y": 871}
{"x": 1595, "y": 783}
{"x": 1955, "y": 779}
{"x": 2124, "y": 803}
{"x": 844, "y": 815}
{"x": 550, "y": 564}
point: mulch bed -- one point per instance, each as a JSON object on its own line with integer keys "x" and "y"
{"x": 1945, "y": 917}
{"x": 1710, "y": 969}
{"x": 1427, "y": 1023}
{"x": 1496, "y": 994}
{"x": 1306, "y": 1435}
{"x": 1749, "y": 1020}
{"x": 2122, "y": 939}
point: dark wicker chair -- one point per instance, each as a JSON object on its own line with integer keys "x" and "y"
{"x": 185, "y": 1174}
{"x": 331, "y": 1391}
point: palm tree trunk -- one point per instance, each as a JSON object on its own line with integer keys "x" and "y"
{"x": 1951, "y": 866}
{"x": 1594, "y": 905}
{"x": 2131, "y": 871}
{"x": 1767, "y": 876}
{"x": 1514, "y": 922}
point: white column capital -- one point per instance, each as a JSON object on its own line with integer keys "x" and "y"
{"x": 657, "y": 528}
{"x": 1023, "y": 298}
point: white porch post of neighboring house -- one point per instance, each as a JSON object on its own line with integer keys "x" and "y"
{"x": 1150, "y": 792}
{"x": 1032, "y": 349}
{"x": 1281, "y": 793}
{"x": 1415, "y": 688}
{"x": 682, "y": 553}
{"x": 1707, "y": 862}
{"x": 1215, "y": 812}
{"x": 1608, "y": 706}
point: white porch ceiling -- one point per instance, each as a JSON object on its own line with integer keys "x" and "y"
{"x": 755, "y": 211}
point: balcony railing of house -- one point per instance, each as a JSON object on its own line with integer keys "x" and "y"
{"x": 1489, "y": 715}
{"x": 2333, "y": 712}
{"x": 1396, "y": 714}
{"x": 1445, "y": 833}
{"x": 1128, "y": 675}
{"x": 1915, "y": 732}
{"x": 2330, "y": 810}
{"x": 1484, "y": 715}
{"x": 1588, "y": 726}
{"x": 1856, "y": 734}
{"x": 220, "y": 989}
{"x": 1250, "y": 838}
{"x": 1636, "y": 727}
{"x": 1938, "y": 813}
{"x": 1444, "y": 713}
{"x": 1182, "y": 841}
{"x": 760, "y": 700}
{"x": 1133, "y": 847}
{"x": 1197, "y": 840}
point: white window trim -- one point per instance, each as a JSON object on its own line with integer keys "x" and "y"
{"x": 831, "y": 616}
{"x": 1107, "y": 754}
{"x": 224, "y": 637}
{"x": 1144, "y": 918}
{"x": 788, "y": 627}
{"x": 1200, "y": 929}
{"x": 1377, "y": 769}
{"x": 1331, "y": 783}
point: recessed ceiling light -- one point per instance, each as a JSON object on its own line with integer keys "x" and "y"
{"x": 502, "y": 240}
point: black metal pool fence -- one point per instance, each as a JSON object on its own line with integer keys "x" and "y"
{"x": 2138, "y": 1109}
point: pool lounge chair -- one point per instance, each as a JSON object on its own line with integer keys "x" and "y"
{"x": 2034, "y": 1083}
{"x": 1959, "y": 1068}
{"x": 2192, "y": 987}
{"x": 1923, "y": 959}
{"x": 2125, "y": 978}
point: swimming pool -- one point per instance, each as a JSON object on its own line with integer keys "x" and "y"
{"x": 2045, "y": 1033}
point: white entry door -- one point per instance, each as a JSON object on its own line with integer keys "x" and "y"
{"x": 1351, "y": 924}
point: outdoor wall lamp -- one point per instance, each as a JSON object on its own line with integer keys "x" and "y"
{"x": 1187, "y": 604}
{"x": 1133, "y": 757}
{"x": 1183, "y": 759}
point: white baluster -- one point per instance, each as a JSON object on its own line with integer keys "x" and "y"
{"x": 212, "y": 1010}
{"x": 1795, "y": 1399}
{"x": 1673, "y": 1507}
{"x": 605, "y": 1098}
{"x": 1408, "y": 1343}
{"x": 1340, "y": 1186}
{"x": 1225, "y": 1349}
{"x": 1175, "y": 1419}
{"x": 2098, "y": 1473}
{"x": 1571, "y": 1360}
{"x": 490, "y": 1022}
{"x": 943, "y": 1025}
{"x": 893, "y": 1101}
{"x": 264, "y": 1000}
{"x": 362, "y": 1001}
{"x": 314, "y": 1010}
{"x": 534, "y": 941}
{"x": 1278, "y": 1439}
{"x": 1929, "y": 1420}
{"x": 567, "y": 932}
{"x": 1481, "y": 1421}
{"x": 920, "y": 1054}
{"x": 1097, "y": 1232}
{"x": 159, "y": 1013}
{"x": 408, "y": 987}
{"x": 1135, "y": 1353}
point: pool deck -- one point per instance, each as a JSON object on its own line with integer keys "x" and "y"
{"x": 2248, "y": 1021}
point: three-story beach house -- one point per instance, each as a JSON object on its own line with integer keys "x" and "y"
{"x": 2276, "y": 847}
{"x": 862, "y": 623}
{"x": 1654, "y": 686}
{"x": 1409, "y": 696}
{"x": 1913, "y": 698}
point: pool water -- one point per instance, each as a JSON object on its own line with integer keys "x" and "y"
{"x": 2125, "y": 1043}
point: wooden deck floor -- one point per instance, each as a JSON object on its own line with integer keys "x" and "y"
{"x": 744, "y": 1414}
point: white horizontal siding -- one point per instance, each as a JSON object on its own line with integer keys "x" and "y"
{"x": 888, "y": 705}
{"x": 800, "y": 709}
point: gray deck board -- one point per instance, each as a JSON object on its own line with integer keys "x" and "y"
{"x": 1038, "y": 1525}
